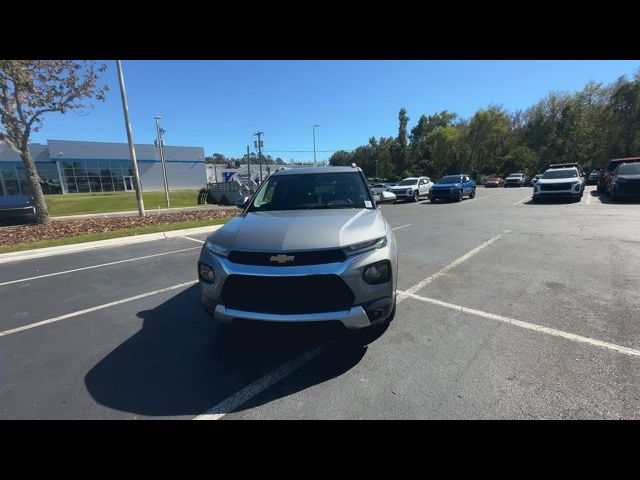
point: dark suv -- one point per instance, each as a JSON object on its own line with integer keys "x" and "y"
{"x": 603, "y": 180}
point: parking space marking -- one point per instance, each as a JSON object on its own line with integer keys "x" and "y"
{"x": 194, "y": 239}
{"x": 527, "y": 325}
{"x": 521, "y": 201}
{"x": 93, "y": 309}
{"x": 255, "y": 388}
{"x": 401, "y": 226}
{"x": 480, "y": 197}
{"x": 96, "y": 266}
{"x": 588, "y": 200}
{"x": 444, "y": 270}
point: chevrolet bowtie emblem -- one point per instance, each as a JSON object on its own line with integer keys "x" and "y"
{"x": 282, "y": 258}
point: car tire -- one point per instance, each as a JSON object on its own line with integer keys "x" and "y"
{"x": 473, "y": 193}
{"x": 416, "y": 196}
{"x": 433, "y": 200}
{"x": 459, "y": 197}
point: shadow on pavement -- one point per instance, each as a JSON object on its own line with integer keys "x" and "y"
{"x": 604, "y": 198}
{"x": 182, "y": 362}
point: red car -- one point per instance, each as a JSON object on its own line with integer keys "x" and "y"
{"x": 603, "y": 180}
{"x": 494, "y": 182}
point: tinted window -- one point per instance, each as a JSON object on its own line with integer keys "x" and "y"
{"x": 407, "y": 182}
{"x": 560, "y": 174}
{"x": 450, "y": 179}
{"x": 629, "y": 169}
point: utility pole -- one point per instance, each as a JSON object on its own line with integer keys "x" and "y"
{"x": 248, "y": 164}
{"x": 259, "y": 145}
{"x": 314, "y": 145}
{"x": 160, "y": 144}
{"x": 132, "y": 148}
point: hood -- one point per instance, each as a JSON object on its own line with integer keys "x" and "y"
{"x": 300, "y": 230}
{"x": 15, "y": 201}
{"x": 628, "y": 177}
{"x": 402, "y": 188}
{"x": 446, "y": 185}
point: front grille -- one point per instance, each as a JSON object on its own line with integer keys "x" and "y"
{"x": 556, "y": 186}
{"x": 299, "y": 258}
{"x": 287, "y": 295}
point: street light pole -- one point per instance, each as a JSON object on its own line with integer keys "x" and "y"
{"x": 160, "y": 144}
{"x": 132, "y": 148}
{"x": 259, "y": 135}
{"x": 314, "y": 145}
{"x": 248, "y": 164}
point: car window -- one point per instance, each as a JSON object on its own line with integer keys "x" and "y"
{"x": 309, "y": 191}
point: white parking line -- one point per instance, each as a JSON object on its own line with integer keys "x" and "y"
{"x": 444, "y": 270}
{"x": 521, "y": 201}
{"x": 480, "y": 197}
{"x": 529, "y": 326}
{"x": 96, "y": 266}
{"x": 260, "y": 385}
{"x": 401, "y": 226}
{"x": 93, "y": 309}
{"x": 588, "y": 200}
{"x": 194, "y": 239}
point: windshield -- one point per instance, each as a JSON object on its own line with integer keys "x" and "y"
{"x": 312, "y": 191}
{"x": 515, "y": 175}
{"x": 450, "y": 179}
{"x": 629, "y": 169}
{"x": 408, "y": 181}
{"x": 560, "y": 174}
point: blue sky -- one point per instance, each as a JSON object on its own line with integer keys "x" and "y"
{"x": 219, "y": 104}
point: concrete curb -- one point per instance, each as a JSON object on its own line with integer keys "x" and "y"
{"x": 112, "y": 242}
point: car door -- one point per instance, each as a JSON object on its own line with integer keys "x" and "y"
{"x": 422, "y": 186}
{"x": 466, "y": 185}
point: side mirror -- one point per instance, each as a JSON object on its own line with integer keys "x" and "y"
{"x": 242, "y": 202}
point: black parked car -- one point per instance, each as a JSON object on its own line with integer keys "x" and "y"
{"x": 624, "y": 181}
{"x": 17, "y": 208}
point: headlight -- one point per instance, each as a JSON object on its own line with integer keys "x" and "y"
{"x": 216, "y": 249}
{"x": 359, "y": 248}
{"x": 205, "y": 272}
{"x": 378, "y": 272}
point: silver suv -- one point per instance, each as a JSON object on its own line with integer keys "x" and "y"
{"x": 310, "y": 246}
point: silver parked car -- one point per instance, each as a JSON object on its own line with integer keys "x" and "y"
{"x": 310, "y": 246}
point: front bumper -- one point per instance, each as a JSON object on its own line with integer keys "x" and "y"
{"x": 402, "y": 195}
{"x": 556, "y": 194}
{"x": 446, "y": 193}
{"x": 17, "y": 212}
{"x": 371, "y": 303}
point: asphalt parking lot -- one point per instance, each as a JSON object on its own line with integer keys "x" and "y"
{"x": 508, "y": 310}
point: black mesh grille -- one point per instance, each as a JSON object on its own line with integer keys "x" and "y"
{"x": 556, "y": 186}
{"x": 299, "y": 258}
{"x": 287, "y": 295}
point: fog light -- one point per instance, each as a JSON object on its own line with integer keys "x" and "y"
{"x": 206, "y": 273}
{"x": 379, "y": 272}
